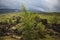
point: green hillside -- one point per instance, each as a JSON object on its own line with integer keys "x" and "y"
{"x": 30, "y": 26}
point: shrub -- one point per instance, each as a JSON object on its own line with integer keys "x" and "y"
{"x": 54, "y": 21}
{"x": 29, "y": 32}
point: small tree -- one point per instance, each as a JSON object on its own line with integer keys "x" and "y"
{"x": 29, "y": 32}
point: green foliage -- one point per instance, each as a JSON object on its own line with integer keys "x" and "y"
{"x": 30, "y": 31}
{"x": 54, "y": 21}
{"x": 24, "y": 9}
{"x": 37, "y": 19}
{"x": 41, "y": 27}
{"x": 30, "y": 24}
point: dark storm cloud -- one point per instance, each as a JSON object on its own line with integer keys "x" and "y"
{"x": 40, "y": 5}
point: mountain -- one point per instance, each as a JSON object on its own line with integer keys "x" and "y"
{"x": 8, "y": 10}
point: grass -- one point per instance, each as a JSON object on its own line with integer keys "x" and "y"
{"x": 30, "y": 25}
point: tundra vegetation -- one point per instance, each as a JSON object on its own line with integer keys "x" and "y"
{"x": 30, "y": 26}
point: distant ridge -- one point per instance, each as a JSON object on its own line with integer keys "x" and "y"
{"x": 8, "y": 10}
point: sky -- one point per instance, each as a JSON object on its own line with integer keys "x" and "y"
{"x": 39, "y": 5}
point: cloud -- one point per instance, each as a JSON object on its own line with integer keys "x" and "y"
{"x": 11, "y": 4}
{"x": 41, "y": 5}
{"x": 51, "y": 4}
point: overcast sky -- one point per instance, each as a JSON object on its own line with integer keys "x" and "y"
{"x": 40, "y": 5}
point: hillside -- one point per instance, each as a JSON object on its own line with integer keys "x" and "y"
{"x": 30, "y": 26}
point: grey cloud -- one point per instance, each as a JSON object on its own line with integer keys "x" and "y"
{"x": 41, "y": 5}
